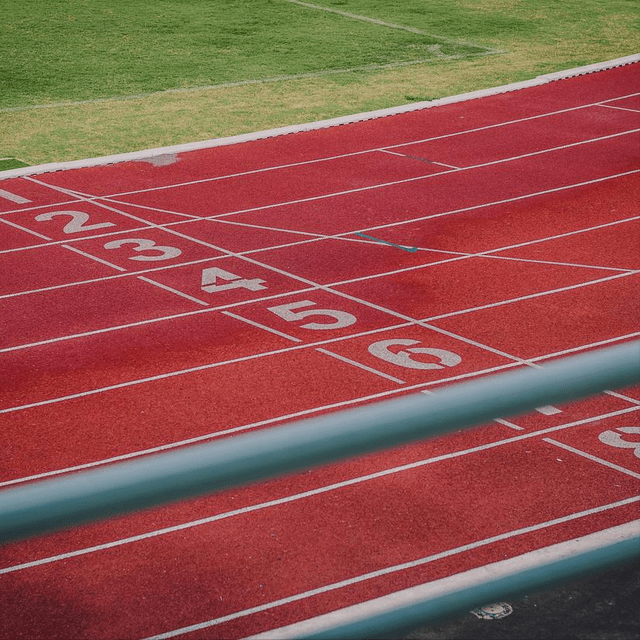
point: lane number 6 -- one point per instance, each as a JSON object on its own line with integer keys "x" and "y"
{"x": 403, "y": 358}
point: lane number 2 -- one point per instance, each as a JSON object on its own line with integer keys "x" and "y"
{"x": 158, "y": 252}
{"x": 78, "y": 222}
{"x": 404, "y": 358}
{"x": 291, "y": 313}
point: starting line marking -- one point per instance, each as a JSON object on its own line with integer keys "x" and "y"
{"x": 12, "y": 197}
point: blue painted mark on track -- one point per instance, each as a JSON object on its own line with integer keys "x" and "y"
{"x": 409, "y": 249}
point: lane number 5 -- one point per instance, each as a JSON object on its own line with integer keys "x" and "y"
{"x": 290, "y": 313}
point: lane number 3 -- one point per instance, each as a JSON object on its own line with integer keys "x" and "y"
{"x": 157, "y": 252}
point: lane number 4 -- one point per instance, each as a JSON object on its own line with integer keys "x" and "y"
{"x": 212, "y": 277}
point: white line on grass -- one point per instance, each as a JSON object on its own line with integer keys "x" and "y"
{"x": 391, "y": 25}
{"x": 243, "y": 83}
{"x": 145, "y": 154}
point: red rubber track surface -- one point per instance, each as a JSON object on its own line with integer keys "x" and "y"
{"x": 147, "y": 305}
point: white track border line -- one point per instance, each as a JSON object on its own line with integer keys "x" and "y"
{"x": 402, "y": 567}
{"x": 421, "y": 386}
{"x": 453, "y": 256}
{"x": 290, "y": 165}
{"x": 318, "y": 490}
{"x": 454, "y": 583}
{"x": 313, "y": 126}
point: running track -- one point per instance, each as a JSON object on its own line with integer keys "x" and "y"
{"x": 154, "y": 303}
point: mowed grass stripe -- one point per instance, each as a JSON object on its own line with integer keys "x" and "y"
{"x": 101, "y": 113}
{"x": 54, "y": 50}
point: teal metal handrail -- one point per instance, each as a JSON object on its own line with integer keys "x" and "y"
{"x": 130, "y": 486}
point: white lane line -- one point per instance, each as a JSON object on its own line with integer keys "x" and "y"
{"x": 386, "y": 149}
{"x": 261, "y": 326}
{"x": 381, "y": 185}
{"x": 593, "y": 458}
{"x": 139, "y": 323}
{"x": 532, "y": 296}
{"x": 411, "y": 466}
{"x": 405, "y": 155}
{"x": 94, "y": 258}
{"x": 361, "y": 366}
{"x": 611, "y": 106}
{"x": 174, "y": 291}
{"x": 622, "y": 396}
{"x": 269, "y": 421}
{"x": 497, "y": 202}
{"x": 592, "y": 345}
{"x": 115, "y": 276}
{"x": 13, "y": 197}
{"x": 338, "y": 156}
{"x": 342, "y": 236}
{"x": 395, "y": 568}
{"x": 452, "y": 584}
{"x": 29, "y": 231}
{"x": 337, "y": 405}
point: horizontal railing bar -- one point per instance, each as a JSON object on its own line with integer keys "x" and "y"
{"x": 401, "y": 620}
{"x": 130, "y": 486}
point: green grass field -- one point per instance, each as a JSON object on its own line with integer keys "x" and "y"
{"x": 81, "y": 78}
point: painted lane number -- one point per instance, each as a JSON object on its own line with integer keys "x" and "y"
{"x": 211, "y": 277}
{"x": 158, "y": 252}
{"x": 78, "y": 222}
{"x": 614, "y": 439}
{"x": 290, "y": 313}
{"x": 404, "y": 358}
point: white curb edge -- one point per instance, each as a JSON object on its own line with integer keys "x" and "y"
{"x": 311, "y": 126}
